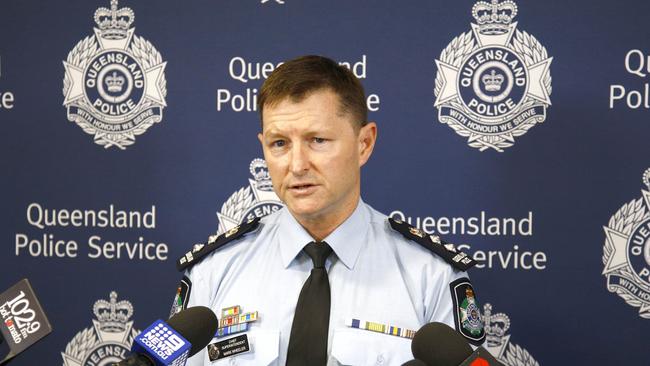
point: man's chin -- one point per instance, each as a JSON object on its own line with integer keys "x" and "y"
{"x": 304, "y": 212}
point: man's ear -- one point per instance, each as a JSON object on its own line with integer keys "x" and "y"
{"x": 367, "y": 138}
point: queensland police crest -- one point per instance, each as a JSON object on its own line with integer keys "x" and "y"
{"x": 109, "y": 338}
{"x": 114, "y": 84}
{"x": 498, "y": 340}
{"x": 493, "y": 83}
{"x": 256, "y": 200}
{"x": 626, "y": 254}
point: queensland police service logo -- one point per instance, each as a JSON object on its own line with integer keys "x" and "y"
{"x": 471, "y": 319}
{"x": 114, "y": 84}
{"x": 493, "y": 82}
{"x": 498, "y": 340}
{"x": 626, "y": 254}
{"x": 108, "y": 340}
{"x": 256, "y": 200}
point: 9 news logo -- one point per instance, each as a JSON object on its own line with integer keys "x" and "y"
{"x": 162, "y": 340}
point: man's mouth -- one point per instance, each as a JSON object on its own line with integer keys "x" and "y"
{"x": 302, "y": 187}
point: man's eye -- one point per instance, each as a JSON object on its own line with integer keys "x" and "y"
{"x": 319, "y": 140}
{"x": 278, "y": 143}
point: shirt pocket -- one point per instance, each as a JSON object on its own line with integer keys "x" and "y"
{"x": 265, "y": 347}
{"x": 364, "y": 348}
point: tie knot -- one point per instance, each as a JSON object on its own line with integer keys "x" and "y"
{"x": 318, "y": 252}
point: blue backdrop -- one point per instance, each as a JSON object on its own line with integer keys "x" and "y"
{"x": 138, "y": 127}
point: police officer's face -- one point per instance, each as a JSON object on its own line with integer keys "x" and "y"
{"x": 314, "y": 155}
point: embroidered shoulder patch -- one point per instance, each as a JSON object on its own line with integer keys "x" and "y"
{"x": 445, "y": 250}
{"x": 215, "y": 242}
{"x": 182, "y": 296}
{"x": 467, "y": 314}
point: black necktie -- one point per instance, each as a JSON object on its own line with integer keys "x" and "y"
{"x": 308, "y": 339}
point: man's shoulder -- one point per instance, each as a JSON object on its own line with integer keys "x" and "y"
{"x": 227, "y": 242}
{"x": 411, "y": 237}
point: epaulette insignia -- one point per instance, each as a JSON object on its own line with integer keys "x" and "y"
{"x": 215, "y": 242}
{"x": 447, "y": 251}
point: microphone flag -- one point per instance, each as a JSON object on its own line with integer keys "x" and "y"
{"x": 481, "y": 357}
{"x": 23, "y": 319}
{"x": 163, "y": 344}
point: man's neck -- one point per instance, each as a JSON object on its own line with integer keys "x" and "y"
{"x": 321, "y": 227}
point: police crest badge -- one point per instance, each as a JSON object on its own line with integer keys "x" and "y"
{"x": 467, "y": 314}
{"x": 626, "y": 254}
{"x": 493, "y": 82}
{"x": 114, "y": 84}
{"x": 498, "y": 341}
{"x": 182, "y": 296}
{"x": 254, "y": 201}
{"x": 109, "y": 338}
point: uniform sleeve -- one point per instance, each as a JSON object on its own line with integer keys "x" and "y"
{"x": 438, "y": 297}
{"x": 451, "y": 299}
{"x": 192, "y": 291}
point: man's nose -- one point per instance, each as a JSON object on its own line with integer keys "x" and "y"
{"x": 299, "y": 163}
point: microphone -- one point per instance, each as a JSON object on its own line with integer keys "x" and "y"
{"x": 172, "y": 343}
{"x": 437, "y": 344}
{"x": 23, "y": 321}
{"x": 414, "y": 362}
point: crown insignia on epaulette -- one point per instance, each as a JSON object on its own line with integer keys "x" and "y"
{"x": 231, "y": 232}
{"x": 416, "y": 231}
{"x": 212, "y": 238}
{"x": 494, "y": 17}
{"x": 496, "y": 326}
{"x": 113, "y": 315}
{"x": 114, "y": 23}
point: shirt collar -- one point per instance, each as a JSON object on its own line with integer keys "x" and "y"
{"x": 346, "y": 240}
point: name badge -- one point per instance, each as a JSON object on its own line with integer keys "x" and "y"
{"x": 229, "y": 347}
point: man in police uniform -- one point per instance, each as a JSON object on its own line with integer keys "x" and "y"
{"x": 359, "y": 302}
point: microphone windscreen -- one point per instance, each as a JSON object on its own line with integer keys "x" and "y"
{"x": 197, "y": 324}
{"x": 437, "y": 344}
{"x": 414, "y": 362}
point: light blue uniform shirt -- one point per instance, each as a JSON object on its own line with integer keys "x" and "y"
{"x": 375, "y": 275}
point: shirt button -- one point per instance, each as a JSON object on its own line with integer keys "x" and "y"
{"x": 380, "y": 359}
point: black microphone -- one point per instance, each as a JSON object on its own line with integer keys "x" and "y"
{"x": 174, "y": 341}
{"x": 197, "y": 324}
{"x": 437, "y": 344}
{"x": 22, "y": 320}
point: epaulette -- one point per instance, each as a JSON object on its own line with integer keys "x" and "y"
{"x": 215, "y": 242}
{"x": 436, "y": 245}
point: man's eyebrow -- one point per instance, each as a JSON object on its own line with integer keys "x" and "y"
{"x": 317, "y": 129}
{"x": 271, "y": 133}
